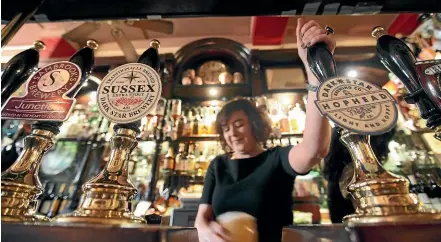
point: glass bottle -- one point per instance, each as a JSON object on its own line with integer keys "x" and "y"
{"x": 169, "y": 160}
{"x": 188, "y": 125}
{"x": 181, "y": 158}
{"x": 190, "y": 161}
{"x": 47, "y": 199}
{"x": 55, "y": 205}
{"x": 201, "y": 164}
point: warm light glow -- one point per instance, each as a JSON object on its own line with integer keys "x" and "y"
{"x": 285, "y": 100}
{"x": 352, "y": 73}
{"x": 213, "y": 91}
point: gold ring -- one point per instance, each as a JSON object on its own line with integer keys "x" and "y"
{"x": 329, "y": 30}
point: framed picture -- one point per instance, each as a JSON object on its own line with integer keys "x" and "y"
{"x": 283, "y": 79}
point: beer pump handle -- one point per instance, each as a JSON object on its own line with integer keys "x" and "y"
{"x": 397, "y": 57}
{"x": 85, "y": 59}
{"x": 19, "y": 68}
{"x": 150, "y": 57}
{"x": 321, "y": 62}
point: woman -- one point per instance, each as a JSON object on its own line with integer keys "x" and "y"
{"x": 251, "y": 179}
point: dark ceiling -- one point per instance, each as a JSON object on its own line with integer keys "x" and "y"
{"x": 65, "y": 10}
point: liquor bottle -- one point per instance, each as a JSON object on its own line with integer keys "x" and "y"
{"x": 169, "y": 160}
{"x": 204, "y": 123}
{"x": 19, "y": 69}
{"x": 67, "y": 198}
{"x": 47, "y": 198}
{"x": 181, "y": 125}
{"x": 300, "y": 117}
{"x": 196, "y": 121}
{"x": 55, "y": 205}
{"x": 212, "y": 119}
{"x": 181, "y": 158}
{"x": 188, "y": 125}
{"x": 191, "y": 159}
{"x": 211, "y": 156}
{"x": 284, "y": 123}
{"x": 201, "y": 164}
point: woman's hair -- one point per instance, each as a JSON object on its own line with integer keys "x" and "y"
{"x": 259, "y": 120}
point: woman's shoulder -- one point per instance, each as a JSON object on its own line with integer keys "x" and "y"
{"x": 219, "y": 160}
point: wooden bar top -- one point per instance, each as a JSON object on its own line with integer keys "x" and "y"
{"x": 11, "y": 232}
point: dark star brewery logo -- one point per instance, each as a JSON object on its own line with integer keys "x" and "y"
{"x": 129, "y": 92}
{"x": 45, "y": 98}
{"x": 357, "y": 105}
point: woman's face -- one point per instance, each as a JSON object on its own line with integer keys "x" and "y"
{"x": 238, "y": 133}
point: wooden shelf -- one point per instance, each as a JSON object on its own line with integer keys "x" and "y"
{"x": 215, "y": 137}
{"x": 208, "y": 137}
{"x": 211, "y": 92}
{"x": 289, "y": 135}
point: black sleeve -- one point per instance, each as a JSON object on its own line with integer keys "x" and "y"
{"x": 283, "y": 153}
{"x": 209, "y": 183}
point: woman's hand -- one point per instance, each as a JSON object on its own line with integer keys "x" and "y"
{"x": 308, "y": 34}
{"x": 213, "y": 232}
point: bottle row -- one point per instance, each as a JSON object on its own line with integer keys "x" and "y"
{"x": 427, "y": 187}
{"x": 194, "y": 121}
{"x": 55, "y": 198}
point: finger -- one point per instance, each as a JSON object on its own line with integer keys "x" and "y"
{"x": 306, "y": 26}
{"x": 219, "y": 238}
{"x": 313, "y": 32}
{"x": 325, "y": 39}
{"x": 218, "y": 229}
{"x": 310, "y": 33}
{"x": 300, "y": 23}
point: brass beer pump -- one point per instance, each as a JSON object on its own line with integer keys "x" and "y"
{"x": 106, "y": 197}
{"x": 20, "y": 183}
{"x": 378, "y": 195}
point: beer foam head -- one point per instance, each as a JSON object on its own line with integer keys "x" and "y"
{"x": 242, "y": 226}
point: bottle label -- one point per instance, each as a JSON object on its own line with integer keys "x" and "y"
{"x": 129, "y": 92}
{"x": 45, "y": 98}
{"x": 357, "y": 105}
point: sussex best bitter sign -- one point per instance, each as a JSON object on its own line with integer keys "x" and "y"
{"x": 129, "y": 92}
{"x": 357, "y": 105}
{"x": 45, "y": 98}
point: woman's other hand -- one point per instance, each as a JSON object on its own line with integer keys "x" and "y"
{"x": 308, "y": 34}
{"x": 213, "y": 232}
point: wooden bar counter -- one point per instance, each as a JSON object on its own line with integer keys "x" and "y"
{"x": 430, "y": 232}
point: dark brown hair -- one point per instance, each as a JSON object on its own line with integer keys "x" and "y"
{"x": 259, "y": 120}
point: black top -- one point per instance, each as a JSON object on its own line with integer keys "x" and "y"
{"x": 260, "y": 186}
